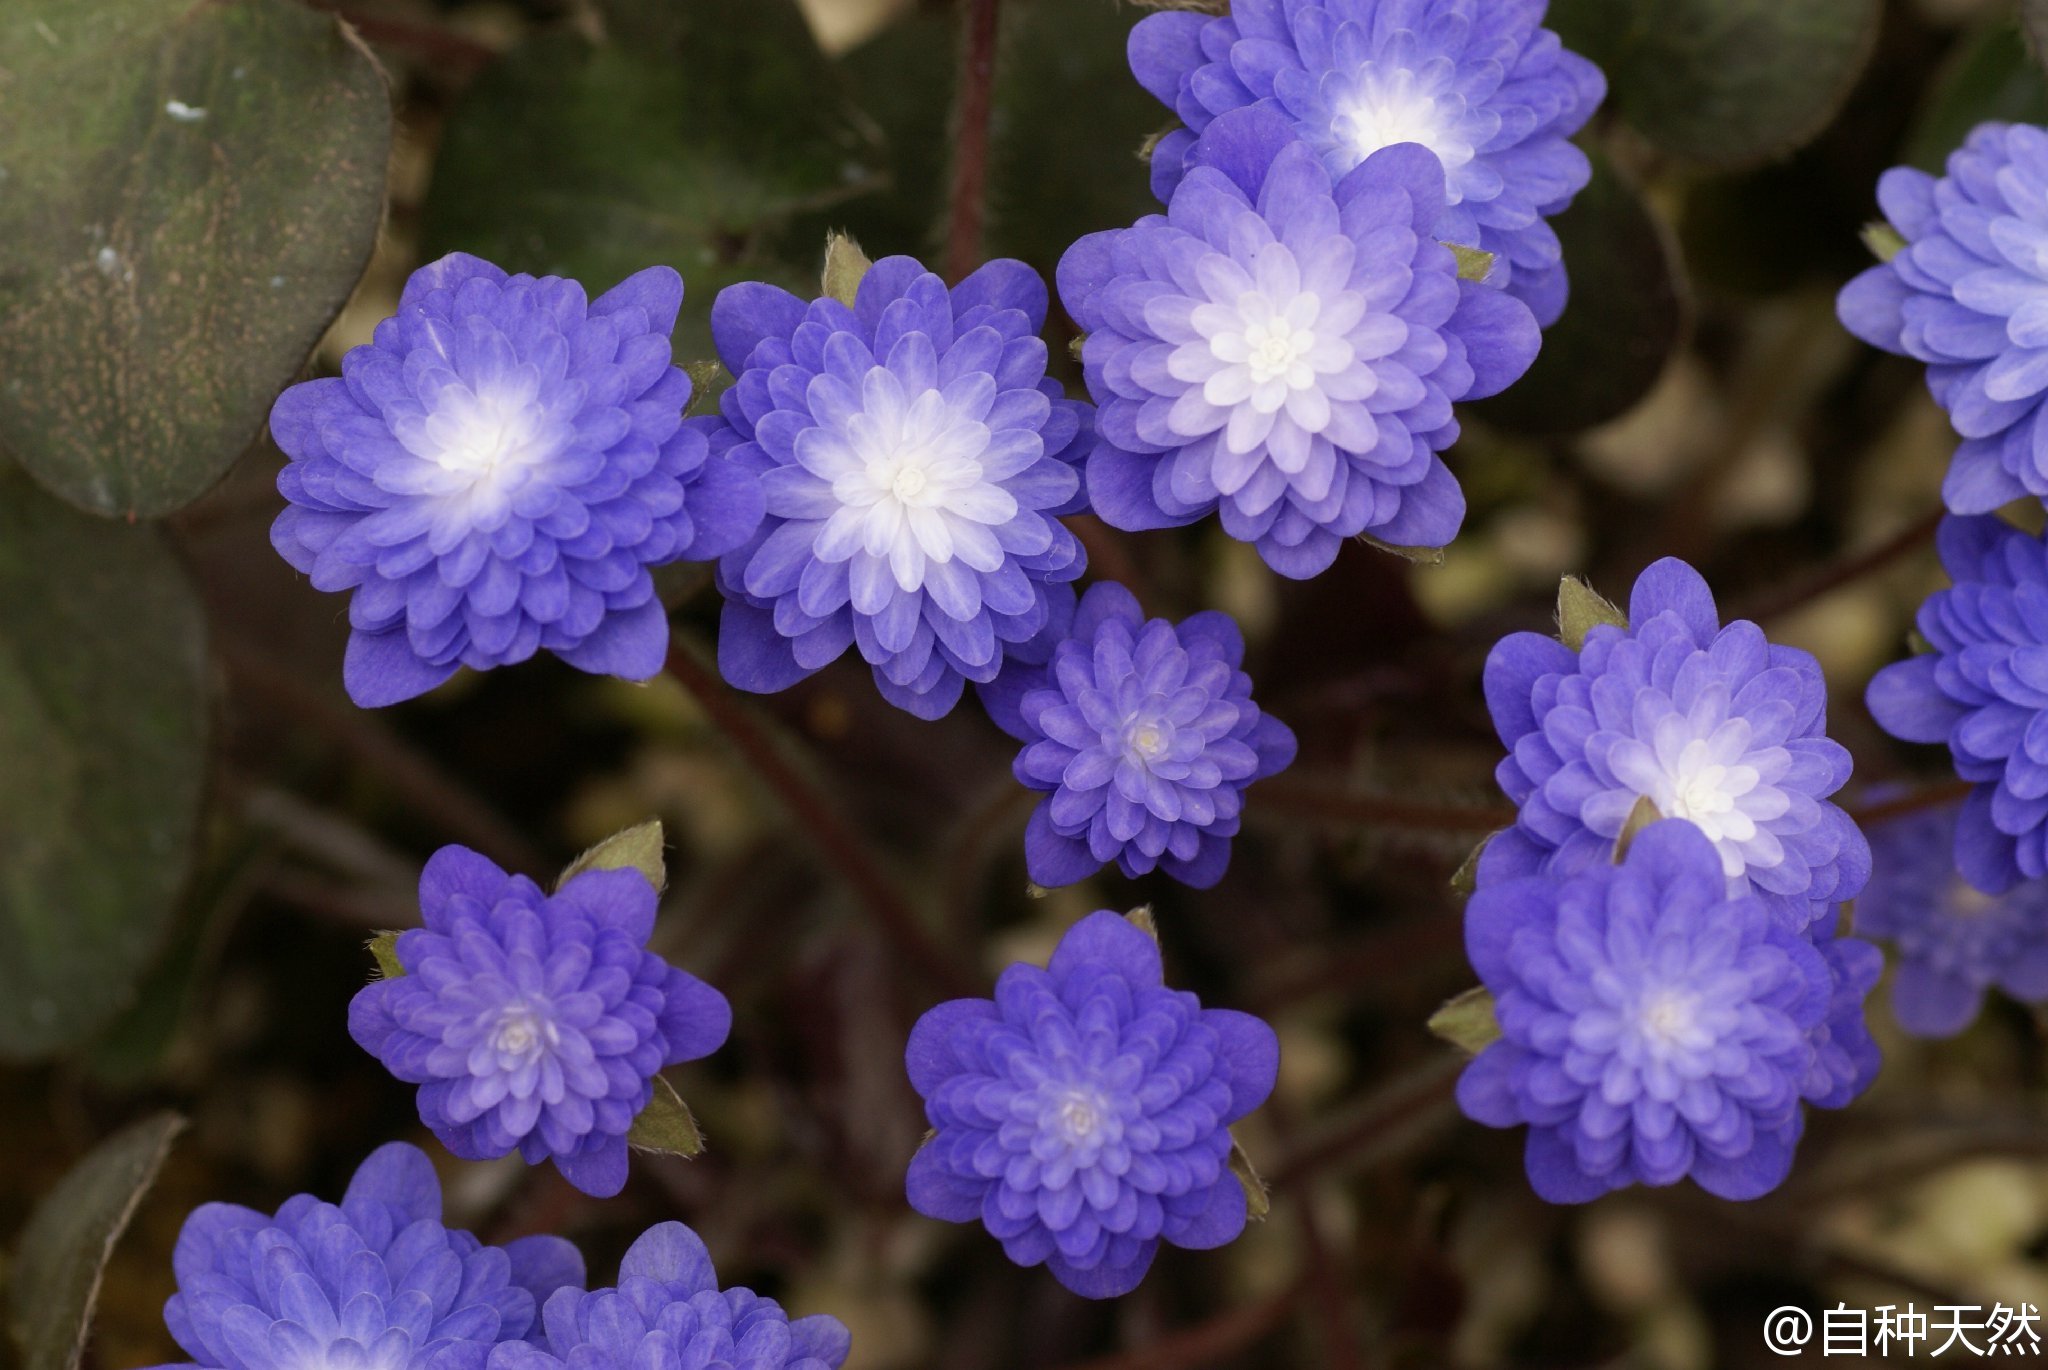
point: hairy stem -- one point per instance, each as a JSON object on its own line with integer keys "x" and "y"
{"x": 967, "y": 197}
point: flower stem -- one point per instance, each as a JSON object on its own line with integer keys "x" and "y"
{"x": 1334, "y": 806}
{"x": 1848, "y": 570}
{"x": 842, "y": 848}
{"x": 1932, "y": 797}
{"x": 1226, "y": 1334}
{"x": 967, "y": 198}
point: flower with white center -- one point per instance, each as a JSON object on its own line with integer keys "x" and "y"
{"x": 1284, "y": 351}
{"x": 1968, "y": 295}
{"x": 914, "y": 458}
{"x": 1083, "y": 1115}
{"x": 494, "y": 473}
{"x": 535, "y": 1023}
{"x": 1655, "y": 1025}
{"x": 1710, "y": 724}
{"x": 372, "y": 1283}
{"x": 1481, "y": 84}
{"x": 1144, "y": 735}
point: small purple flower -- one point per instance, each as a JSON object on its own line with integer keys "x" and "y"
{"x": 1144, "y": 735}
{"x": 1983, "y": 690}
{"x": 494, "y": 473}
{"x": 914, "y": 457}
{"x": 668, "y": 1313}
{"x": 1968, "y": 295}
{"x": 1284, "y": 349}
{"x": 1479, "y": 83}
{"x": 1083, "y": 1115}
{"x": 532, "y": 1022}
{"x": 375, "y": 1283}
{"x": 1655, "y": 1026}
{"x": 1712, "y": 724}
{"x": 1953, "y": 942}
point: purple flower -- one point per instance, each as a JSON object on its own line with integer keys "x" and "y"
{"x": 1491, "y": 94}
{"x": 1083, "y": 1115}
{"x": 533, "y": 1022}
{"x": 1712, "y": 724}
{"x": 1953, "y": 942}
{"x": 1285, "y": 350}
{"x": 494, "y": 474}
{"x": 1655, "y": 1026}
{"x": 668, "y": 1313}
{"x": 1968, "y": 295}
{"x": 1144, "y": 735}
{"x": 1983, "y": 690}
{"x": 914, "y": 455}
{"x": 376, "y": 1283}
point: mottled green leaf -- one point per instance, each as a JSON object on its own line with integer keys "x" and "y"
{"x": 1623, "y": 322}
{"x": 103, "y": 726}
{"x": 1723, "y": 82}
{"x": 686, "y": 136}
{"x": 637, "y": 848}
{"x": 1467, "y": 1022}
{"x": 1988, "y": 75}
{"x": 1580, "y": 610}
{"x": 666, "y": 1125}
{"x": 190, "y": 192}
{"x": 56, "y": 1269}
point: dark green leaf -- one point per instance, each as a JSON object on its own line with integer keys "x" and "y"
{"x": 666, "y": 1125}
{"x": 685, "y": 137}
{"x": 56, "y": 1270}
{"x": 1989, "y": 75}
{"x": 191, "y": 191}
{"x": 1467, "y": 1022}
{"x": 1580, "y": 610}
{"x": 1626, "y": 315}
{"x": 637, "y": 848}
{"x": 1723, "y": 82}
{"x": 103, "y": 726}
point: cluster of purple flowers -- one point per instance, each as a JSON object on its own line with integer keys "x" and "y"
{"x": 378, "y": 1283}
{"x": 1673, "y": 1013}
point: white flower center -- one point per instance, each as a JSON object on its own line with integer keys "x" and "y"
{"x": 1080, "y": 1116}
{"x": 522, "y": 1032}
{"x": 1386, "y": 105}
{"x": 910, "y": 480}
{"x": 1702, "y": 769}
{"x": 1147, "y": 741}
{"x": 482, "y": 445}
{"x": 1667, "y": 1017}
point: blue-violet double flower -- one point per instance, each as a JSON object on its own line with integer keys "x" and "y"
{"x": 494, "y": 473}
{"x": 1144, "y": 736}
{"x": 1953, "y": 942}
{"x": 1712, "y": 724}
{"x": 1490, "y": 92}
{"x": 914, "y": 457}
{"x": 1968, "y": 295}
{"x": 668, "y": 1313}
{"x": 1283, "y": 348}
{"x": 1083, "y": 1115}
{"x": 532, "y": 1022}
{"x": 1983, "y": 690}
{"x": 1655, "y": 1026}
{"x": 373, "y": 1283}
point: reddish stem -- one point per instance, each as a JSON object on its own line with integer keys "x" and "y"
{"x": 967, "y": 199}
{"x": 1206, "y": 1342}
{"x": 1932, "y": 797}
{"x": 1313, "y": 801}
{"x": 1849, "y": 569}
{"x": 842, "y": 848}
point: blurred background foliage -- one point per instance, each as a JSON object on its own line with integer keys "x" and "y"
{"x": 197, "y": 831}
